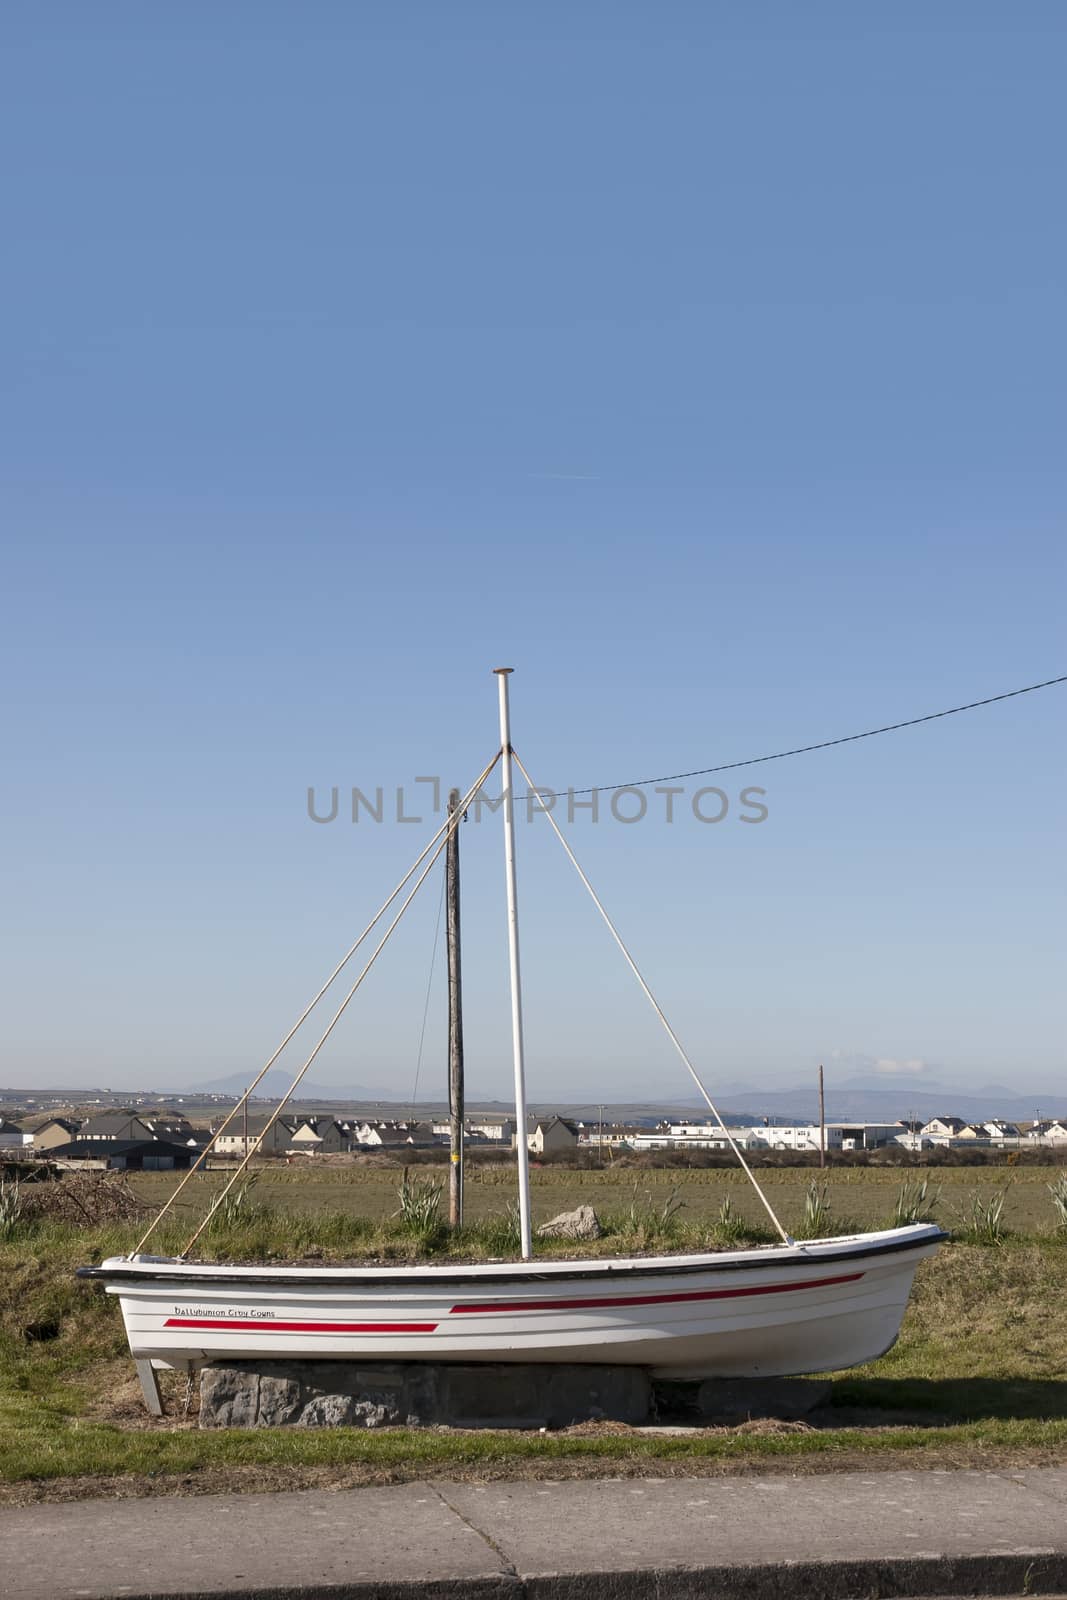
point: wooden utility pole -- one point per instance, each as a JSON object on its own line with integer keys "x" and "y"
{"x": 822, "y": 1120}
{"x": 455, "y": 1020}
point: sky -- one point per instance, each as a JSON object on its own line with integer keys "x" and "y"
{"x": 703, "y": 363}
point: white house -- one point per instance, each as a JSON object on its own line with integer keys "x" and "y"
{"x": 939, "y": 1130}
{"x": 693, "y": 1136}
{"x": 1054, "y": 1132}
{"x": 549, "y": 1134}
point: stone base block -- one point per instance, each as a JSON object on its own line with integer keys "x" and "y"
{"x": 733, "y": 1400}
{"x": 378, "y": 1394}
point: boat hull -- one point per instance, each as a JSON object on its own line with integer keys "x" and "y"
{"x": 765, "y": 1313}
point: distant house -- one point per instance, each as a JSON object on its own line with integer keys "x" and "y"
{"x": 274, "y": 1140}
{"x": 112, "y": 1125}
{"x": 544, "y": 1135}
{"x": 479, "y": 1129}
{"x": 1054, "y": 1132}
{"x": 171, "y": 1125}
{"x": 990, "y": 1131}
{"x": 57, "y": 1130}
{"x": 127, "y": 1155}
{"x": 324, "y": 1135}
{"x": 12, "y": 1137}
{"x": 383, "y": 1135}
{"x": 501, "y": 1130}
{"x": 939, "y": 1129}
{"x": 337, "y": 1135}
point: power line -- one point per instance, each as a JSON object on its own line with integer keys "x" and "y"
{"x": 805, "y": 749}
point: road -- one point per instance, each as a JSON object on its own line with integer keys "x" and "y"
{"x": 758, "y": 1538}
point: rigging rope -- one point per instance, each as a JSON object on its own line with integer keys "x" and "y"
{"x": 452, "y": 823}
{"x": 735, "y": 1147}
{"x": 426, "y": 1002}
{"x": 201, "y": 1159}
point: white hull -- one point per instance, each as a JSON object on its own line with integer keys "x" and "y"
{"x": 769, "y": 1312}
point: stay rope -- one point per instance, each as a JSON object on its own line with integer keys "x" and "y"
{"x": 734, "y": 1146}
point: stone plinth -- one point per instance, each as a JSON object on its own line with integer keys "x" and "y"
{"x": 732, "y": 1400}
{"x": 379, "y": 1394}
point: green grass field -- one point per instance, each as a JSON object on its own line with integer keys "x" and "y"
{"x": 979, "y": 1375}
{"x": 864, "y": 1195}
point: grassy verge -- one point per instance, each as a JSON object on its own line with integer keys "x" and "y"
{"x": 979, "y": 1376}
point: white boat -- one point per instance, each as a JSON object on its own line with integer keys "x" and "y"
{"x": 769, "y": 1312}
{"x": 782, "y": 1309}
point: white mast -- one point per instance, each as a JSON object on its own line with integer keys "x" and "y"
{"x": 522, "y": 1149}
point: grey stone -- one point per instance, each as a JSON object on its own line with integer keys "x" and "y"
{"x": 581, "y": 1224}
{"x": 319, "y": 1394}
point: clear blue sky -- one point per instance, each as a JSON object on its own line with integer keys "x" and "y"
{"x": 705, "y": 363}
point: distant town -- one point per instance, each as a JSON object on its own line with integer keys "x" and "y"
{"x": 141, "y": 1135}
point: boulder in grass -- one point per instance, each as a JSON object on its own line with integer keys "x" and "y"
{"x": 581, "y": 1224}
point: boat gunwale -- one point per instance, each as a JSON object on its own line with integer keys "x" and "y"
{"x": 812, "y": 1252}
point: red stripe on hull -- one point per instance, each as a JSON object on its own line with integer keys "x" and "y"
{"x": 269, "y": 1325}
{"x": 486, "y": 1308}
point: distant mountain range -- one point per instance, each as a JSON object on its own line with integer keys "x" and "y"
{"x": 862, "y": 1100}
{"x": 855, "y": 1099}
{"x": 277, "y": 1082}
{"x": 859, "y": 1099}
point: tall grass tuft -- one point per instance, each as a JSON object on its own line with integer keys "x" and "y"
{"x": 729, "y": 1226}
{"x": 1058, "y": 1191}
{"x": 644, "y": 1221}
{"x": 420, "y": 1206}
{"x": 499, "y": 1234}
{"x": 915, "y": 1203}
{"x": 983, "y": 1219}
{"x": 236, "y": 1210}
{"x": 815, "y": 1223}
{"x": 12, "y": 1208}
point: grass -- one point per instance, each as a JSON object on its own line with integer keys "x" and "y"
{"x": 979, "y": 1374}
{"x": 869, "y": 1195}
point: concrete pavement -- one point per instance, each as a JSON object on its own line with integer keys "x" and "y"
{"x": 757, "y": 1538}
